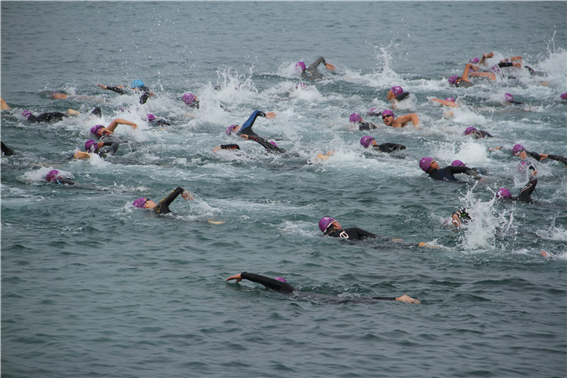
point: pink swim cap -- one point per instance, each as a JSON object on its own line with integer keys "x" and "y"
{"x": 140, "y": 202}
{"x": 452, "y": 99}
{"x": 508, "y": 97}
{"x": 474, "y": 60}
{"x": 564, "y": 96}
{"x": 397, "y": 90}
{"x": 503, "y": 193}
{"x": 301, "y": 65}
{"x": 470, "y": 130}
{"x": 230, "y": 129}
{"x": 366, "y": 141}
{"x": 425, "y": 163}
{"x": 281, "y": 279}
{"x": 91, "y": 146}
{"x": 325, "y": 222}
{"x": 453, "y": 79}
{"x": 458, "y": 163}
{"x": 387, "y": 112}
{"x": 355, "y": 117}
{"x": 188, "y": 98}
{"x": 52, "y": 175}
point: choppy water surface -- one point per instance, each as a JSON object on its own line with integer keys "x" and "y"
{"x": 92, "y": 286}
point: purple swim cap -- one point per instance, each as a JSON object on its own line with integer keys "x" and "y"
{"x": 425, "y": 163}
{"x": 474, "y": 60}
{"x": 95, "y": 129}
{"x": 397, "y": 90}
{"x": 324, "y": 223}
{"x": 274, "y": 143}
{"x": 387, "y": 112}
{"x": 374, "y": 112}
{"x": 281, "y": 279}
{"x": 517, "y": 149}
{"x": 458, "y": 163}
{"x": 503, "y": 193}
{"x": 150, "y": 117}
{"x": 564, "y": 96}
{"x": 188, "y": 98}
{"x": 453, "y": 79}
{"x": 470, "y": 130}
{"x": 140, "y": 202}
{"x": 230, "y": 129}
{"x": 366, "y": 141}
{"x": 91, "y": 146}
{"x": 355, "y": 117}
{"x": 452, "y": 99}
{"x": 508, "y": 97}
{"x": 301, "y": 65}
{"x": 27, "y": 114}
{"x": 52, "y": 175}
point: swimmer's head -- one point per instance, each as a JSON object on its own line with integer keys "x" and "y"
{"x": 52, "y": 175}
{"x": 452, "y": 99}
{"x": 231, "y": 129}
{"x": 140, "y": 202}
{"x": 388, "y": 117}
{"x": 397, "y": 90}
{"x": 150, "y": 117}
{"x": 188, "y": 98}
{"x": 281, "y": 279}
{"x": 508, "y": 97}
{"x": 95, "y": 129}
{"x": 301, "y": 66}
{"x": 470, "y": 130}
{"x": 374, "y": 112}
{"x": 325, "y": 223}
{"x": 355, "y": 118}
{"x": 517, "y": 149}
{"x": 474, "y": 60}
{"x": 366, "y": 141}
{"x": 91, "y": 146}
{"x": 425, "y": 163}
{"x": 273, "y": 143}
{"x": 564, "y": 96}
{"x": 27, "y": 114}
{"x": 453, "y": 80}
{"x": 458, "y": 163}
{"x": 503, "y": 193}
{"x": 137, "y": 84}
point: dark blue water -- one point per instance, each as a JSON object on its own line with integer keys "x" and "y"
{"x": 92, "y": 286}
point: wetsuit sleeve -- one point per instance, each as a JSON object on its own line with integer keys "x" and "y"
{"x": 112, "y": 147}
{"x": 535, "y": 155}
{"x": 402, "y": 96}
{"x": 230, "y": 147}
{"x": 485, "y": 134}
{"x": 316, "y": 64}
{"x": 163, "y": 205}
{"x": 267, "y": 145}
{"x": 268, "y": 282}
{"x": 527, "y": 190}
{"x": 384, "y": 298}
{"x": 144, "y": 98}
{"x": 116, "y": 89}
{"x": 247, "y": 127}
{"x": 50, "y": 117}
{"x": 7, "y": 150}
{"x": 466, "y": 170}
{"x": 558, "y": 158}
{"x": 505, "y": 64}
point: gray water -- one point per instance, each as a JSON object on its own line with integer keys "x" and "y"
{"x": 92, "y": 286}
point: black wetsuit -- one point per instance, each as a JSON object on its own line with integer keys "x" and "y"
{"x": 230, "y": 147}
{"x": 481, "y": 134}
{"x": 110, "y": 148}
{"x": 47, "y": 117}
{"x": 446, "y": 174}
{"x": 7, "y": 150}
{"x": 247, "y": 130}
{"x": 284, "y": 287}
{"x": 122, "y": 91}
{"x": 61, "y": 180}
{"x": 364, "y": 126}
{"x": 402, "y": 96}
{"x": 464, "y": 84}
{"x": 389, "y": 147}
{"x": 352, "y": 233}
{"x": 312, "y": 73}
{"x": 160, "y": 122}
{"x": 163, "y": 205}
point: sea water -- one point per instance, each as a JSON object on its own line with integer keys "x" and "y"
{"x": 92, "y": 286}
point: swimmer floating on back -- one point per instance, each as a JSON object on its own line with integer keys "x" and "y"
{"x": 281, "y": 285}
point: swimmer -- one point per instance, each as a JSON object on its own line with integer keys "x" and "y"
{"x": 226, "y": 147}
{"x": 521, "y": 151}
{"x": 101, "y": 132}
{"x": 93, "y": 147}
{"x": 525, "y": 193}
{"x": 477, "y": 134}
{"x": 48, "y": 117}
{"x": 449, "y": 101}
{"x": 4, "y": 105}
{"x": 431, "y": 167}
{"x": 460, "y": 217}
{"x": 402, "y": 121}
{"x": 281, "y": 285}
{"x": 509, "y": 99}
{"x": 395, "y": 95}
{"x": 7, "y": 151}
{"x": 362, "y": 126}
{"x": 330, "y": 227}
{"x": 245, "y": 132}
{"x": 55, "y": 177}
{"x": 136, "y": 86}
{"x": 152, "y": 120}
{"x": 312, "y": 73}
{"x": 191, "y": 100}
{"x": 367, "y": 141}
{"x": 464, "y": 81}
{"x": 480, "y": 171}
{"x": 163, "y": 206}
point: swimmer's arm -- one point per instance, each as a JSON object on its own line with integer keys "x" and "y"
{"x": 445, "y": 102}
{"x": 4, "y": 105}
{"x": 455, "y": 219}
{"x": 543, "y": 156}
{"x": 408, "y": 299}
{"x": 216, "y": 149}
{"x": 119, "y": 121}
{"x": 117, "y": 89}
{"x": 412, "y": 117}
{"x": 81, "y": 155}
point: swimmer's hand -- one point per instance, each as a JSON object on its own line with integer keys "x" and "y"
{"x": 186, "y": 196}
{"x": 427, "y": 245}
{"x": 329, "y": 66}
{"x": 102, "y": 86}
{"x": 407, "y": 299}
{"x": 494, "y": 149}
{"x": 270, "y": 115}
{"x": 238, "y": 278}
{"x": 546, "y": 254}
{"x": 455, "y": 220}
